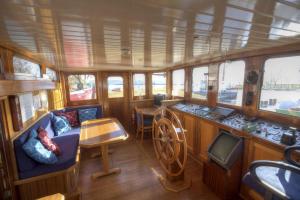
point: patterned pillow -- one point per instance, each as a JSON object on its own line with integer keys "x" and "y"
{"x": 60, "y": 125}
{"x": 47, "y": 142}
{"x": 71, "y": 116}
{"x": 87, "y": 114}
{"x": 35, "y": 150}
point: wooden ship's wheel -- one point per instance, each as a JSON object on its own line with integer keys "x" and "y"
{"x": 171, "y": 149}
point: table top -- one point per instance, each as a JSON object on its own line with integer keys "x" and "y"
{"x": 148, "y": 110}
{"x": 57, "y": 196}
{"x": 103, "y": 131}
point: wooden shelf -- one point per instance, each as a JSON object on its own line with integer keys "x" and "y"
{"x": 12, "y": 87}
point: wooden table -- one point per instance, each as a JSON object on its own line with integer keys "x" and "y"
{"x": 101, "y": 133}
{"x": 57, "y": 196}
{"x": 148, "y": 110}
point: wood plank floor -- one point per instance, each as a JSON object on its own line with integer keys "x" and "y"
{"x": 138, "y": 179}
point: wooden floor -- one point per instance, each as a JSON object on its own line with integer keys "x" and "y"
{"x": 138, "y": 179}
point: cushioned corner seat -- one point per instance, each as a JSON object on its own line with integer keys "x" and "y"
{"x": 282, "y": 180}
{"x": 68, "y": 145}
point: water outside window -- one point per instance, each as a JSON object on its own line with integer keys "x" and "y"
{"x": 115, "y": 87}
{"x": 178, "y": 83}
{"x": 139, "y": 85}
{"x": 231, "y": 82}
{"x": 200, "y": 82}
{"x": 281, "y": 86}
{"x": 159, "y": 81}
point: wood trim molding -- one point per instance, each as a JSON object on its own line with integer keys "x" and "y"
{"x": 12, "y": 87}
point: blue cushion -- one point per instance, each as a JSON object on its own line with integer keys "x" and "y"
{"x": 87, "y": 114}
{"x": 36, "y": 150}
{"x": 60, "y": 125}
{"x": 24, "y": 162}
{"x": 74, "y": 131}
{"x": 148, "y": 121}
{"x": 68, "y": 145}
{"x": 49, "y": 130}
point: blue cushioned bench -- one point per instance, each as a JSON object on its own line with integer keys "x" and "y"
{"x": 68, "y": 142}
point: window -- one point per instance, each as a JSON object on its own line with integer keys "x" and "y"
{"x": 200, "y": 83}
{"x": 51, "y": 74}
{"x": 281, "y": 86}
{"x": 82, "y": 87}
{"x": 159, "y": 82}
{"x": 178, "y": 83}
{"x": 139, "y": 87}
{"x": 24, "y": 69}
{"x": 115, "y": 87}
{"x": 231, "y": 82}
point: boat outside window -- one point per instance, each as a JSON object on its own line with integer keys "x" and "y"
{"x": 82, "y": 87}
{"x": 200, "y": 82}
{"x": 139, "y": 86}
{"x": 115, "y": 87}
{"x": 159, "y": 82}
{"x": 178, "y": 83}
{"x": 280, "y": 90}
{"x": 231, "y": 82}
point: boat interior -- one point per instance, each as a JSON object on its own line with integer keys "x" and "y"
{"x": 144, "y": 99}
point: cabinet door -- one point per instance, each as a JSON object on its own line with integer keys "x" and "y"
{"x": 189, "y": 126}
{"x": 179, "y": 115}
{"x": 208, "y": 133}
{"x": 263, "y": 152}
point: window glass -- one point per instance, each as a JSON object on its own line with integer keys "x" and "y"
{"x": 115, "y": 87}
{"x": 231, "y": 82}
{"x": 281, "y": 86}
{"x": 82, "y": 87}
{"x": 51, "y": 74}
{"x": 178, "y": 83}
{"x": 200, "y": 83}
{"x": 24, "y": 69}
{"x": 139, "y": 87}
{"x": 159, "y": 82}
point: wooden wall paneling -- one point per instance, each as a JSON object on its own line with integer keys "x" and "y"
{"x": 12, "y": 87}
{"x": 169, "y": 84}
{"x": 117, "y": 107}
{"x": 16, "y": 112}
{"x": 6, "y": 148}
{"x": 208, "y": 132}
{"x": 212, "y": 95}
{"x": 188, "y": 83}
{"x": 261, "y": 151}
{"x": 7, "y": 60}
{"x": 189, "y": 124}
{"x": 149, "y": 94}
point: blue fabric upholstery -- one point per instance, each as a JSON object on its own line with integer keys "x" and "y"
{"x": 99, "y": 113}
{"x": 74, "y": 131}
{"x": 87, "y": 114}
{"x": 68, "y": 145}
{"x": 27, "y": 167}
{"x": 148, "y": 121}
{"x": 60, "y": 125}
{"x": 24, "y": 162}
{"x": 281, "y": 179}
{"x": 36, "y": 150}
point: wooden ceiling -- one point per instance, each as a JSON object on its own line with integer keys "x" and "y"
{"x": 144, "y": 34}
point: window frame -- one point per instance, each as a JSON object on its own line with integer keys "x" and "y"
{"x": 115, "y": 75}
{"x": 270, "y": 114}
{"x": 184, "y": 83}
{"x": 27, "y": 76}
{"x": 166, "y": 92}
{"x": 137, "y": 96}
{"x": 192, "y": 71}
{"x": 237, "y": 107}
{"x": 81, "y": 102}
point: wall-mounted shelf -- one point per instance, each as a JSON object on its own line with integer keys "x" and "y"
{"x": 12, "y": 87}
